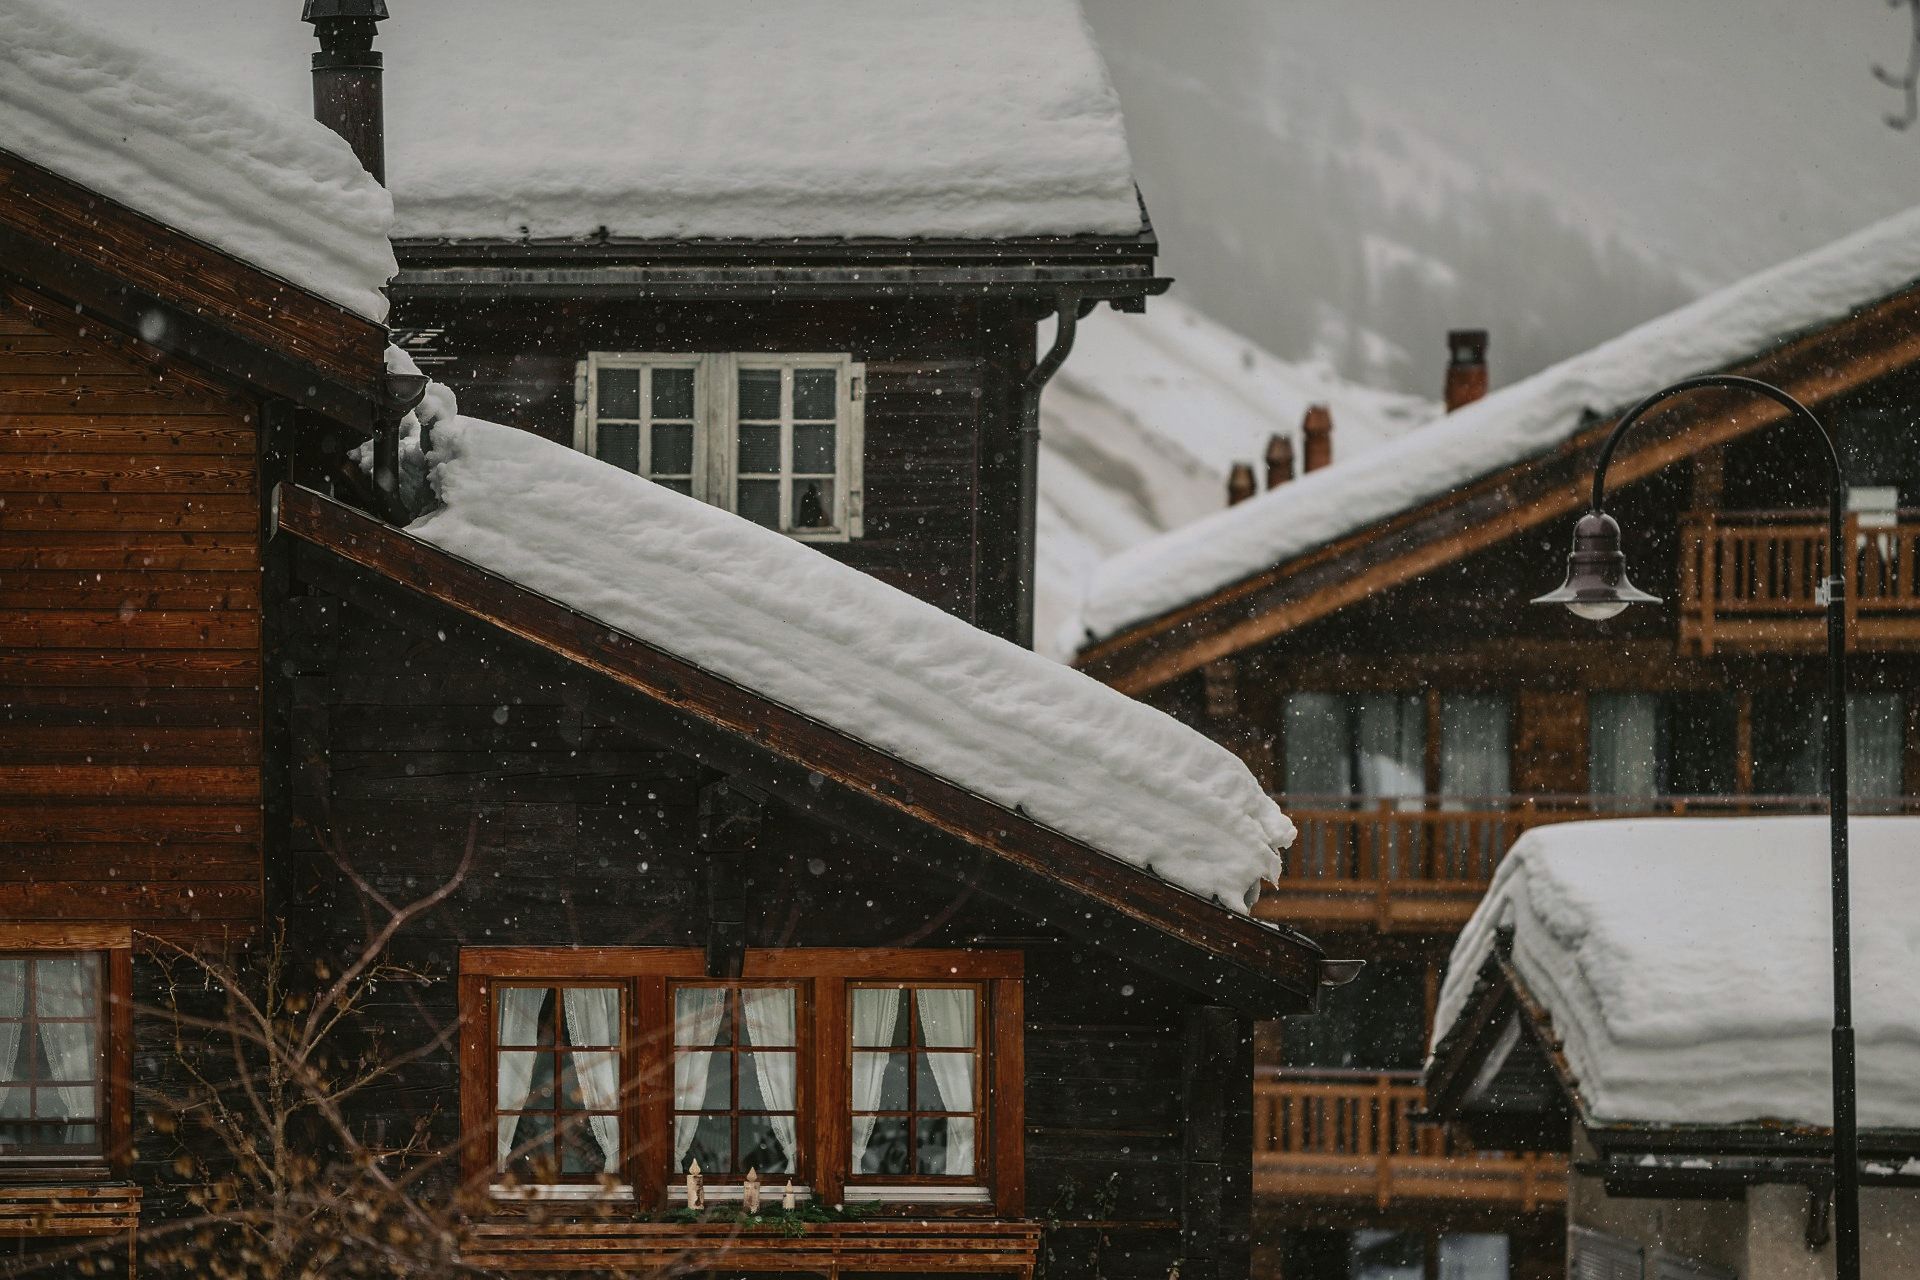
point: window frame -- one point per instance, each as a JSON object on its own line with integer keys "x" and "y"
{"x": 805, "y": 1153}
{"x": 715, "y": 476}
{"x": 824, "y": 1124}
{"x": 622, "y": 1050}
{"x": 981, "y": 1112}
{"x": 114, "y": 945}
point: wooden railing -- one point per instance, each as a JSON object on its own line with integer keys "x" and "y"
{"x": 1350, "y": 1135}
{"x": 1752, "y": 579}
{"x": 1421, "y": 863}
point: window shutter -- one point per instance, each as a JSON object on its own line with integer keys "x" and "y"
{"x": 856, "y": 449}
{"x": 1595, "y": 1255}
{"x": 1670, "y": 1266}
{"x": 580, "y": 405}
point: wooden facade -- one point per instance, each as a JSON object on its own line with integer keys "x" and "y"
{"x": 246, "y": 723}
{"x": 1421, "y": 622}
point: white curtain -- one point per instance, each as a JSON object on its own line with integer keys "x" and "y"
{"x": 1389, "y": 745}
{"x": 1318, "y": 761}
{"x": 876, "y": 1012}
{"x": 593, "y": 1017}
{"x": 519, "y": 1025}
{"x": 1876, "y": 742}
{"x": 66, "y": 989}
{"x": 947, "y": 1022}
{"x": 13, "y": 1007}
{"x": 698, "y": 1013}
{"x": 1475, "y": 745}
{"x": 769, "y": 1015}
{"x": 1623, "y": 741}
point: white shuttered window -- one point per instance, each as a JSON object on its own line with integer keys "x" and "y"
{"x": 776, "y": 439}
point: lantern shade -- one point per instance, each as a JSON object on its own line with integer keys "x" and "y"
{"x": 1597, "y": 586}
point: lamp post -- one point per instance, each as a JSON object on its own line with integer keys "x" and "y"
{"x": 1597, "y": 588}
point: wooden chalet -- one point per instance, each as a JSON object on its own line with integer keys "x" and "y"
{"x": 1385, "y": 675}
{"x": 1668, "y": 1179}
{"x": 609, "y": 936}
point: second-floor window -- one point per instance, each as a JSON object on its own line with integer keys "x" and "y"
{"x": 776, "y": 439}
{"x": 1642, "y": 745}
{"x": 1377, "y": 745}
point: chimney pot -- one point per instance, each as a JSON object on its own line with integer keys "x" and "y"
{"x": 1240, "y": 484}
{"x": 1316, "y": 430}
{"x": 346, "y": 76}
{"x": 1466, "y": 367}
{"x": 1279, "y": 460}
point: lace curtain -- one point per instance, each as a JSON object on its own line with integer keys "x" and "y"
{"x": 1623, "y": 745}
{"x": 519, "y": 1014}
{"x": 593, "y": 1017}
{"x": 947, "y": 1021}
{"x": 769, "y": 1014}
{"x": 876, "y": 1014}
{"x": 699, "y": 1012}
{"x": 13, "y": 1007}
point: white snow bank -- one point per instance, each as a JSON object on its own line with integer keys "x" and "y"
{"x": 1143, "y": 423}
{"x": 1508, "y": 426}
{"x": 832, "y": 643}
{"x": 1686, "y": 964}
{"x": 271, "y": 188}
{"x": 663, "y": 119}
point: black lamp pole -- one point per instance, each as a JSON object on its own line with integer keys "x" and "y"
{"x": 1597, "y": 587}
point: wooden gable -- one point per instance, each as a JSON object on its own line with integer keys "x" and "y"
{"x": 1815, "y": 368}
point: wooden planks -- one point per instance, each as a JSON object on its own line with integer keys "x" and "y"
{"x": 897, "y": 1246}
{"x": 130, "y": 617}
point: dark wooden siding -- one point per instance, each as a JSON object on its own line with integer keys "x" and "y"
{"x": 129, "y": 634}
{"x": 938, "y": 393}
{"x": 583, "y": 815}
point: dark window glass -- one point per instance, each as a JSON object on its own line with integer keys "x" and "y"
{"x": 759, "y": 395}
{"x": 814, "y": 393}
{"x": 619, "y": 444}
{"x": 672, "y": 393}
{"x": 619, "y": 393}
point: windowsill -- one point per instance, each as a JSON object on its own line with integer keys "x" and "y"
{"x": 734, "y": 1193}
{"x": 917, "y": 1194}
{"x": 564, "y": 1191}
{"x": 37, "y": 1169}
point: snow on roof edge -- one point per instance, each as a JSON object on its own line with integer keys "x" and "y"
{"x": 867, "y": 660}
{"x": 1684, "y": 964}
{"x": 278, "y": 191}
{"x": 1507, "y": 427}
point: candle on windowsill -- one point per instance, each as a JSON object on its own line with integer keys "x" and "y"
{"x": 693, "y": 1186}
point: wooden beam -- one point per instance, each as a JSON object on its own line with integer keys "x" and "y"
{"x": 1873, "y": 342}
{"x": 1053, "y": 875}
{"x": 731, "y": 816}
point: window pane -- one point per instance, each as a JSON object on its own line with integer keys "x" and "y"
{"x": 945, "y": 1147}
{"x": 13, "y": 992}
{"x": 768, "y": 1013}
{"x": 712, "y": 1146}
{"x": 673, "y": 393}
{"x": 813, "y": 393}
{"x": 946, "y": 1016}
{"x": 533, "y": 1141}
{"x": 678, "y": 486}
{"x": 580, "y": 1150}
{"x": 884, "y": 1077}
{"x": 759, "y": 451}
{"x": 66, "y": 985}
{"x": 1390, "y": 744}
{"x": 944, "y": 1081}
{"x": 813, "y": 504}
{"x": 585, "y": 1079}
{"x": 619, "y": 445}
{"x": 672, "y": 449}
{"x": 886, "y": 1150}
{"x": 67, "y": 1102}
{"x": 759, "y": 394}
{"x": 701, "y": 1016}
{"x": 67, "y": 1049}
{"x": 877, "y": 1016}
{"x": 761, "y": 1148}
{"x": 813, "y": 449}
{"x": 521, "y": 1086}
{"x": 619, "y": 393}
{"x": 1318, "y": 744}
{"x": 1475, "y": 738}
{"x": 519, "y": 1012}
{"x": 16, "y": 1103}
{"x": 759, "y": 501}
{"x": 1622, "y": 732}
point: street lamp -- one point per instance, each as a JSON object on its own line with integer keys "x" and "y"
{"x": 1597, "y": 587}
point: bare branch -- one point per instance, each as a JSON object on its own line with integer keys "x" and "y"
{"x": 1907, "y": 80}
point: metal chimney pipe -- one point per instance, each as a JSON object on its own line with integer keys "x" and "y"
{"x": 346, "y": 76}
{"x": 1466, "y": 367}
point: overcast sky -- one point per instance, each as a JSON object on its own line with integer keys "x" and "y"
{"x": 1351, "y": 176}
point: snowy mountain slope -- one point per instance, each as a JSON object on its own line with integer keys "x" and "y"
{"x": 1144, "y": 421}
{"x": 1351, "y": 177}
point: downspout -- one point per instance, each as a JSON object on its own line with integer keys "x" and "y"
{"x": 1070, "y": 307}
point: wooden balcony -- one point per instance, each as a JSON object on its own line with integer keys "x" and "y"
{"x": 1750, "y": 580}
{"x": 1353, "y": 1139}
{"x": 1420, "y": 864}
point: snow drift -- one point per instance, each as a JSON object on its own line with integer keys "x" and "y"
{"x": 1687, "y": 968}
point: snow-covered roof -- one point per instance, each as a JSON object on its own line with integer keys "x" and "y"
{"x": 268, "y": 186}
{"x": 1505, "y": 428}
{"x": 1685, "y": 963}
{"x": 778, "y": 618}
{"x": 1144, "y": 421}
{"x": 664, "y": 119}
